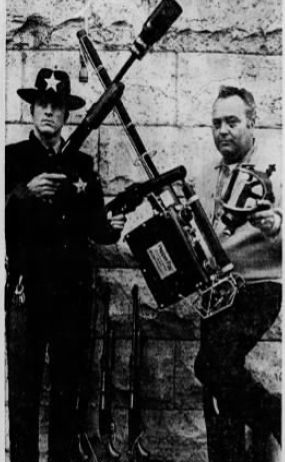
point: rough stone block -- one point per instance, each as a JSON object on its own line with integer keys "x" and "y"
{"x": 113, "y": 256}
{"x": 40, "y": 24}
{"x": 170, "y": 324}
{"x": 150, "y": 93}
{"x": 200, "y": 76}
{"x": 115, "y": 24}
{"x": 114, "y": 143}
{"x": 176, "y": 436}
{"x": 121, "y": 376}
{"x": 158, "y": 374}
{"x": 265, "y": 363}
{"x": 112, "y": 24}
{"x": 156, "y": 379}
{"x": 244, "y": 27}
{"x": 16, "y": 17}
{"x": 14, "y": 69}
{"x": 275, "y": 332}
{"x": 187, "y": 387}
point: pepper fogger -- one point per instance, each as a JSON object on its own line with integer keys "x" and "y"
{"x": 179, "y": 253}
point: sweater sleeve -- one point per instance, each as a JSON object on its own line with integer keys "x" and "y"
{"x": 258, "y": 256}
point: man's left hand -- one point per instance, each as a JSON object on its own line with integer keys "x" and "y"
{"x": 266, "y": 218}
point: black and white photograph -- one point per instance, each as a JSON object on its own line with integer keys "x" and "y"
{"x": 142, "y": 231}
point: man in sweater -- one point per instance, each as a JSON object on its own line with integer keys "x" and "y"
{"x": 54, "y": 207}
{"x": 232, "y": 398}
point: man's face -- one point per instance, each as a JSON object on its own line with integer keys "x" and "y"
{"x": 48, "y": 117}
{"x": 232, "y": 130}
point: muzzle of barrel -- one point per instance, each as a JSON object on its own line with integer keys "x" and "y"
{"x": 156, "y": 26}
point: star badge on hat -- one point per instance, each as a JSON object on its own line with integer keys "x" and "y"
{"x": 80, "y": 185}
{"x": 51, "y": 83}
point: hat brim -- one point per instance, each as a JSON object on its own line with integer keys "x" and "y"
{"x": 29, "y": 95}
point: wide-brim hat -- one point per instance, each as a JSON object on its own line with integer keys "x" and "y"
{"x": 54, "y": 84}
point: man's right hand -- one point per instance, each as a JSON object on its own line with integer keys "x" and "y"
{"x": 46, "y": 185}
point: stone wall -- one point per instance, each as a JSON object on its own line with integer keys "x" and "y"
{"x": 169, "y": 96}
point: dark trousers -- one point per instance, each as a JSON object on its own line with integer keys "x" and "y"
{"x": 226, "y": 339}
{"x": 60, "y": 318}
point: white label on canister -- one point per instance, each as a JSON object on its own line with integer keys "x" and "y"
{"x": 161, "y": 260}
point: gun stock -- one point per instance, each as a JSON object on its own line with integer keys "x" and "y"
{"x": 83, "y": 450}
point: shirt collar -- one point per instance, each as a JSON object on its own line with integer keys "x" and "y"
{"x": 245, "y": 160}
{"x": 34, "y": 139}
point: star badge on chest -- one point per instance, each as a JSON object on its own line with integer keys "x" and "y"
{"x": 80, "y": 185}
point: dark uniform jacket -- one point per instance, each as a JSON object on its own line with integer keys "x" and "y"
{"x": 51, "y": 240}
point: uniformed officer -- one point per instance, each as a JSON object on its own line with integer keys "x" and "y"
{"x": 54, "y": 206}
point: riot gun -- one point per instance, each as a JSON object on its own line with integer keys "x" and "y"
{"x": 137, "y": 452}
{"x": 129, "y": 199}
{"x": 101, "y": 447}
{"x": 107, "y": 426}
{"x": 178, "y": 250}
